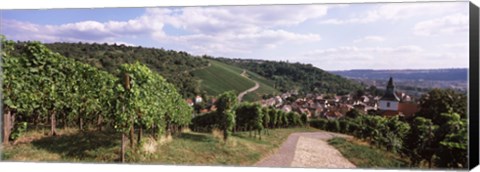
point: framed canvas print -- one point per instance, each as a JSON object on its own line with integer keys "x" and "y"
{"x": 375, "y": 85}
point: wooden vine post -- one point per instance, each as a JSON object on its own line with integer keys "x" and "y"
{"x": 6, "y": 127}
{"x": 126, "y": 80}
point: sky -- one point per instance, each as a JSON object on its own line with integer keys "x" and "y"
{"x": 329, "y": 36}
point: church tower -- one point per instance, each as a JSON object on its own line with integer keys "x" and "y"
{"x": 389, "y": 101}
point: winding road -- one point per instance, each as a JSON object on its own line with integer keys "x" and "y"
{"x": 307, "y": 149}
{"x": 240, "y": 96}
{"x": 303, "y": 149}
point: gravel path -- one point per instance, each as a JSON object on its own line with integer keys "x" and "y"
{"x": 240, "y": 96}
{"x": 307, "y": 150}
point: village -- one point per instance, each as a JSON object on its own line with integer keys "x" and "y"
{"x": 330, "y": 106}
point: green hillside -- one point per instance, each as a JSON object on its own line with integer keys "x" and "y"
{"x": 190, "y": 74}
{"x": 172, "y": 65}
{"x": 220, "y": 77}
{"x": 266, "y": 87}
{"x": 304, "y": 78}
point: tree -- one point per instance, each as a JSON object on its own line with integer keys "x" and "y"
{"x": 273, "y": 117}
{"x": 394, "y": 134}
{"x": 145, "y": 100}
{"x": 304, "y": 119}
{"x": 438, "y": 101}
{"x": 250, "y": 117}
{"x": 226, "y": 104}
{"x": 419, "y": 142}
{"x": 354, "y": 113}
{"x": 452, "y": 136}
{"x": 358, "y": 94}
{"x": 266, "y": 118}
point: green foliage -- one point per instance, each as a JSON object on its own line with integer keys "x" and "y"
{"x": 249, "y": 117}
{"x": 226, "y": 104}
{"x": 266, "y": 117}
{"x": 19, "y": 130}
{"x": 149, "y": 101}
{"x": 319, "y": 123}
{"x": 364, "y": 156}
{"x": 175, "y": 66}
{"x": 394, "y": 134}
{"x": 295, "y": 76}
{"x": 344, "y": 126}
{"x": 333, "y": 125}
{"x": 419, "y": 142}
{"x": 438, "y": 101}
{"x": 354, "y": 113}
{"x": 452, "y": 151}
{"x": 40, "y": 84}
{"x": 294, "y": 119}
{"x": 219, "y": 78}
{"x": 304, "y": 119}
{"x": 446, "y": 109}
{"x": 272, "y": 113}
{"x": 205, "y": 122}
{"x": 380, "y": 131}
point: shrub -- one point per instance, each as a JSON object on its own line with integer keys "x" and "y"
{"x": 205, "y": 122}
{"x": 319, "y": 123}
{"x": 304, "y": 119}
{"x": 333, "y": 125}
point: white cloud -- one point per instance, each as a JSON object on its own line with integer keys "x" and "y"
{"x": 369, "y": 39}
{"x": 398, "y": 11}
{"x": 451, "y": 24}
{"x": 238, "y": 18}
{"x": 277, "y": 32}
{"x": 352, "y": 52}
{"x": 401, "y": 57}
{"x": 352, "y": 57}
{"x": 239, "y": 43}
{"x": 87, "y": 31}
{"x": 456, "y": 45}
{"x": 208, "y": 29}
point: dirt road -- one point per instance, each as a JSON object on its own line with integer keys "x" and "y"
{"x": 307, "y": 150}
{"x": 240, "y": 96}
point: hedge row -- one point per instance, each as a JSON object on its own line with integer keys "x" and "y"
{"x": 381, "y": 131}
{"x": 251, "y": 117}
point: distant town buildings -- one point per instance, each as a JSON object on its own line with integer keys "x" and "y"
{"x": 334, "y": 107}
{"x": 198, "y": 99}
{"x": 316, "y": 105}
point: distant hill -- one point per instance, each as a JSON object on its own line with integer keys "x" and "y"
{"x": 304, "y": 78}
{"x": 413, "y": 82}
{"x": 423, "y": 74}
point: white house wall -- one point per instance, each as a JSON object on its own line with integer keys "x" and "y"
{"x": 383, "y": 105}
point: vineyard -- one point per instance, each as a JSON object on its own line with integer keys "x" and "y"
{"x": 44, "y": 89}
{"x": 248, "y": 117}
{"x": 80, "y": 112}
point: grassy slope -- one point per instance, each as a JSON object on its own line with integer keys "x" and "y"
{"x": 365, "y": 156}
{"x": 266, "y": 87}
{"x": 220, "y": 77}
{"x": 188, "y": 148}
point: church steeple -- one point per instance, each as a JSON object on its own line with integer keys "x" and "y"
{"x": 390, "y": 86}
{"x": 390, "y": 92}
